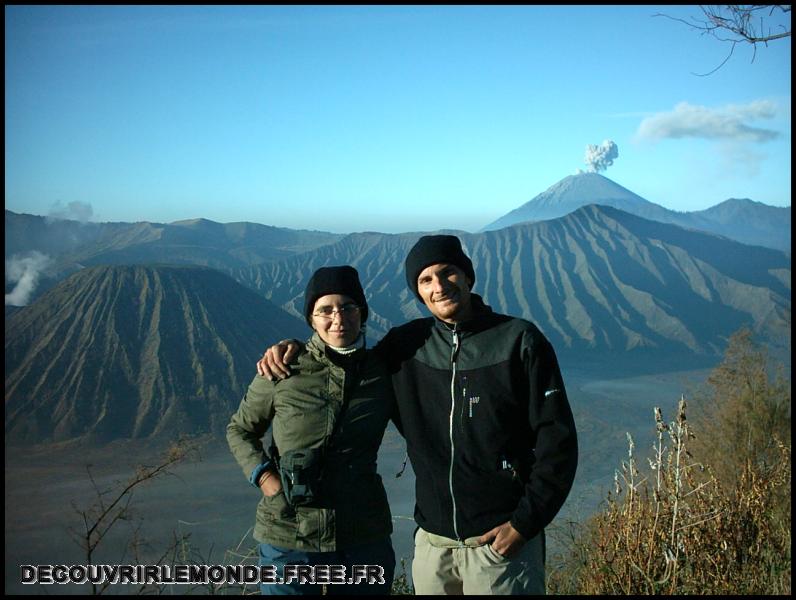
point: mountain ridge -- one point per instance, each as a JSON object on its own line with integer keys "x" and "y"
{"x": 140, "y": 351}
{"x": 598, "y": 278}
{"x": 129, "y": 243}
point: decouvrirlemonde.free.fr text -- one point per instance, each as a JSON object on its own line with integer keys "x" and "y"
{"x": 200, "y": 574}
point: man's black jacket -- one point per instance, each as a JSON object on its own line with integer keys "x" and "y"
{"x": 488, "y": 426}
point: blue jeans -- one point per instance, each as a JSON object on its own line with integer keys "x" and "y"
{"x": 376, "y": 553}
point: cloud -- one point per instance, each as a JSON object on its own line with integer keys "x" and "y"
{"x": 728, "y": 123}
{"x": 24, "y": 270}
{"x": 74, "y": 211}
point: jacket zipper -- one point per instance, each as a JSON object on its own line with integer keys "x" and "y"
{"x": 454, "y": 352}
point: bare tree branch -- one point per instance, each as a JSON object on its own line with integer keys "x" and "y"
{"x": 99, "y": 518}
{"x": 738, "y": 24}
{"x": 738, "y": 21}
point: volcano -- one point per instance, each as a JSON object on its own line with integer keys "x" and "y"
{"x": 576, "y": 191}
{"x": 135, "y": 352}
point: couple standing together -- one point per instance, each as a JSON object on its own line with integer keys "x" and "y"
{"x": 477, "y": 395}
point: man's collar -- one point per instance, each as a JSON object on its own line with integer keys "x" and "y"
{"x": 475, "y": 323}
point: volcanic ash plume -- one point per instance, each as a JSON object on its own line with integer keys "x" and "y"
{"x": 599, "y": 158}
{"x": 74, "y": 211}
{"x": 25, "y": 272}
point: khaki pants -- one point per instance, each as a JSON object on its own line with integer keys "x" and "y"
{"x": 445, "y": 566}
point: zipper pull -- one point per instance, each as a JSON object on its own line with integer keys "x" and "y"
{"x": 455, "y": 347}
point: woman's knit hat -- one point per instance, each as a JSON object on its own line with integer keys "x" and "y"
{"x": 335, "y": 280}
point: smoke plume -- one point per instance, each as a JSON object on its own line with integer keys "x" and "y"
{"x": 74, "y": 211}
{"x": 599, "y": 158}
{"x": 24, "y": 270}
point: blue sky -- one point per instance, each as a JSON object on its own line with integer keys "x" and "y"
{"x": 390, "y": 118}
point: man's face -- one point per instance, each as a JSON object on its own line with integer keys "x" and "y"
{"x": 445, "y": 289}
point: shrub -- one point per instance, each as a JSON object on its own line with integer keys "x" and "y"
{"x": 678, "y": 530}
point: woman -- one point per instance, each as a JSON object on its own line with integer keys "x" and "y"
{"x": 323, "y": 502}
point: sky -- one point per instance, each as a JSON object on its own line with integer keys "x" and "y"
{"x": 379, "y": 118}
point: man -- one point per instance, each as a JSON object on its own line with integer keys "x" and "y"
{"x": 488, "y": 428}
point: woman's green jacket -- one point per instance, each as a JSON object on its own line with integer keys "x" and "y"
{"x": 339, "y": 405}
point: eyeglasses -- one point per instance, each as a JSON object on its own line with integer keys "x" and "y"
{"x": 327, "y": 312}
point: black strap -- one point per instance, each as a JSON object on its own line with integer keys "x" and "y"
{"x": 354, "y": 363}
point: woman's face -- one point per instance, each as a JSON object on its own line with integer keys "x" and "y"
{"x": 336, "y": 318}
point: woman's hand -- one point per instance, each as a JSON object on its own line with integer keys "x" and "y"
{"x": 270, "y": 483}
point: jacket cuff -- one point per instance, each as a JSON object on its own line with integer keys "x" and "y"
{"x": 524, "y": 527}
{"x": 258, "y": 471}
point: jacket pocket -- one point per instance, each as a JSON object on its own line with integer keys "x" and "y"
{"x": 315, "y": 528}
{"x": 275, "y": 508}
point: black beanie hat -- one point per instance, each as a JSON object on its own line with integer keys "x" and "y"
{"x": 334, "y": 280}
{"x": 433, "y": 249}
